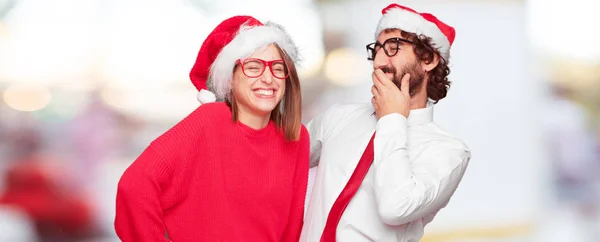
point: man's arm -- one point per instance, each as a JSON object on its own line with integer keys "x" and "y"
{"x": 319, "y": 129}
{"x": 406, "y": 190}
{"x": 315, "y": 128}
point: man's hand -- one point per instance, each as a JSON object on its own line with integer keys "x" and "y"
{"x": 387, "y": 98}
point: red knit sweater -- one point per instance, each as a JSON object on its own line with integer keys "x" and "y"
{"x": 211, "y": 179}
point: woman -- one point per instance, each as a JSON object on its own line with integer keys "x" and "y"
{"x": 234, "y": 170}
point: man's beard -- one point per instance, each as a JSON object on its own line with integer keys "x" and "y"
{"x": 417, "y": 76}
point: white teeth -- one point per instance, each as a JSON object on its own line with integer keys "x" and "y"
{"x": 264, "y": 92}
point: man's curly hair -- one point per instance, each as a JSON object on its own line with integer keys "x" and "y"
{"x": 438, "y": 85}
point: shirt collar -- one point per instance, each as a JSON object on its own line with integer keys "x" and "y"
{"x": 421, "y": 116}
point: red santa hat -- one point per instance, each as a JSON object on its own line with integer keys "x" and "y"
{"x": 234, "y": 38}
{"x": 396, "y": 16}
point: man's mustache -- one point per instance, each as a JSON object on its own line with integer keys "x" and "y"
{"x": 388, "y": 69}
{"x": 391, "y": 70}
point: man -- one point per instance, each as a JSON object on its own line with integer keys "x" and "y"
{"x": 385, "y": 169}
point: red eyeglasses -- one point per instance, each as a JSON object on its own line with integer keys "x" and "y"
{"x": 254, "y": 67}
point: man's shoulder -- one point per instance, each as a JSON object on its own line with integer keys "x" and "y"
{"x": 336, "y": 118}
{"x": 344, "y": 111}
{"x": 442, "y": 139}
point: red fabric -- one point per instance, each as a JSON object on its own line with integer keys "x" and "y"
{"x": 54, "y": 211}
{"x": 214, "y": 43}
{"x": 447, "y": 30}
{"x": 340, "y": 204}
{"x": 210, "y": 179}
{"x": 395, "y": 5}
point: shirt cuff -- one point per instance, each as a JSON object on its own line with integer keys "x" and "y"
{"x": 392, "y": 123}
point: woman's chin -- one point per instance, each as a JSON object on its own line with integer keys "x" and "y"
{"x": 264, "y": 106}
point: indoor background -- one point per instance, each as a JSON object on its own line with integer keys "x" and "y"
{"x": 85, "y": 85}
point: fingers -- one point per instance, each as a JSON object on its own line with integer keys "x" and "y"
{"x": 374, "y": 90}
{"x": 374, "y": 103}
{"x": 383, "y": 79}
{"x": 405, "y": 85}
{"x": 376, "y": 80}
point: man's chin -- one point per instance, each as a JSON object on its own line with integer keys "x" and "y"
{"x": 415, "y": 88}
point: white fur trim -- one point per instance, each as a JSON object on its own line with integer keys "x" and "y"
{"x": 408, "y": 21}
{"x": 246, "y": 42}
{"x": 205, "y": 96}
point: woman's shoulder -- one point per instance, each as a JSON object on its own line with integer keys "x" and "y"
{"x": 213, "y": 109}
{"x": 304, "y": 131}
{"x": 210, "y": 113}
{"x": 304, "y": 134}
{"x": 196, "y": 124}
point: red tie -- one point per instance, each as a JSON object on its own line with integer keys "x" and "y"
{"x": 346, "y": 195}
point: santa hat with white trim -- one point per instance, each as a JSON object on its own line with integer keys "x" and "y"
{"x": 234, "y": 38}
{"x": 396, "y": 16}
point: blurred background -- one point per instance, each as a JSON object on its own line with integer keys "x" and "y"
{"x": 85, "y": 85}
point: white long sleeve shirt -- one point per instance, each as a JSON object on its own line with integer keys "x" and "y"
{"x": 417, "y": 167}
